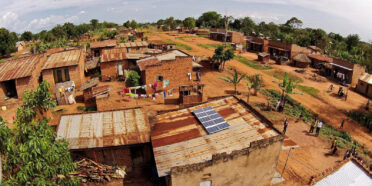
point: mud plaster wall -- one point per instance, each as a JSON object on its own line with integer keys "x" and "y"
{"x": 252, "y": 166}
{"x": 175, "y": 71}
{"x": 358, "y": 71}
{"x": 2, "y": 92}
{"x": 76, "y": 75}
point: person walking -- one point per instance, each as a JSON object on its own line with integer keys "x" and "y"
{"x": 334, "y": 143}
{"x": 334, "y": 150}
{"x": 342, "y": 124}
{"x": 286, "y": 122}
{"x": 319, "y": 126}
{"x": 331, "y": 87}
{"x": 313, "y": 125}
{"x": 347, "y": 154}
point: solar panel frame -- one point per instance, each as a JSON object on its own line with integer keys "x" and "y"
{"x": 211, "y": 120}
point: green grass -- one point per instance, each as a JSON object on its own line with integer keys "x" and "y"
{"x": 203, "y": 34}
{"x": 208, "y": 46}
{"x": 252, "y": 64}
{"x": 278, "y": 74}
{"x": 178, "y": 45}
{"x": 183, "y": 38}
{"x": 309, "y": 90}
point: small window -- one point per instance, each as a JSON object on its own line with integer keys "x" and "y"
{"x": 159, "y": 78}
{"x": 67, "y": 75}
{"x": 206, "y": 183}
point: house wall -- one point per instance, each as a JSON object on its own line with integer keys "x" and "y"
{"x": 358, "y": 71}
{"x": 111, "y": 68}
{"x": 237, "y": 37}
{"x": 2, "y": 92}
{"x": 369, "y": 91}
{"x": 76, "y": 75}
{"x": 362, "y": 87}
{"x": 252, "y": 166}
{"x": 278, "y": 44}
{"x": 175, "y": 71}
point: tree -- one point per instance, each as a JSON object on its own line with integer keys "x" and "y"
{"x": 133, "y": 78}
{"x": 254, "y": 82}
{"x": 7, "y": 42}
{"x": 133, "y": 24}
{"x": 70, "y": 30}
{"x": 352, "y": 41}
{"x": 5, "y": 140}
{"x": 26, "y": 36}
{"x": 169, "y": 24}
{"x": 209, "y": 19}
{"x": 221, "y": 55}
{"x": 189, "y": 23}
{"x": 287, "y": 87}
{"x": 132, "y": 38}
{"x": 34, "y": 156}
{"x": 294, "y": 22}
{"x": 94, "y": 23}
{"x": 234, "y": 79}
{"x": 111, "y": 34}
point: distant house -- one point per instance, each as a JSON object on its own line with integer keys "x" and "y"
{"x": 18, "y": 75}
{"x": 118, "y": 138}
{"x": 255, "y": 44}
{"x": 113, "y": 62}
{"x": 161, "y": 45}
{"x": 139, "y": 35}
{"x": 364, "y": 85}
{"x": 20, "y": 45}
{"x": 134, "y": 46}
{"x": 167, "y": 70}
{"x": 65, "y": 66}
{"x": 301, "y": 60}
{"x": 231, "y": 36}
{"x": 314, "y": 49}
{"x": 97, "y": 46}
{"x": 263, "y": 57}
{"x": 280, "y": 49}
{"x": 318, "y": 59}
{"x": 343, "y": 71}
{"x": 221, "y": 142}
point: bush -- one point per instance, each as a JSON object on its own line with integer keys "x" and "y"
{"x": 362, "y": 118}
{"x": 133, "y": 78}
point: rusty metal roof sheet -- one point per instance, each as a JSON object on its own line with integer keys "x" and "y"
{"x": 154, "y": 60}
{"x": 134, "y": 44}
{"x": 178, "y": 138}
{"x": 103, "y": 44}
{"x": 63, "y": 59}
{"x": 105, "y": 129}
{"x": 113, "y": 54}
{"x": 18, "y": 68}
{"x": 320, "y": 57}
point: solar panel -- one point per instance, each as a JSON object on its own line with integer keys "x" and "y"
{"x": 210, "y": 119}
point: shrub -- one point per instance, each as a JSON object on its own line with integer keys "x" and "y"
{"x": 133, "y": 78}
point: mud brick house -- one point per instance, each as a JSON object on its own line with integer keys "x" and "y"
{"x": 364, "y": 85}
{"x": 119, "y": 137}
{"x": 187, "y": 153}
{"x": 161, "y": 45}
{"x": 65, "y": 66}
{"x": 343, "y": 71}
{"x": 191, "y": 94}
{"x": 97, "y": 46}
{"x": 232, "y": 36}
{"x": 113, "y": 62}
{"x": 280, "y": 49}
{"x": 18, "y": 75}
{"x": 255, "y": 44}
{"x": 318, "y": 59}
{"x": 139, "y": 35}
{"x": 169, "y": 70}
{"x": 314, "y": 50}
{"x": 134, "y": 46}
{"x": 263, "y": 57}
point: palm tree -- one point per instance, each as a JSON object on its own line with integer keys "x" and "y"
{"x": 234, "y": 79}
{"x": 254, "y": 82}
{"x": 221, "y": 56}
{"x": 287, "y": 87}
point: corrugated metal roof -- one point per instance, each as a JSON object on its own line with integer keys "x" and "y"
{"x": 105, "y": 129}
{"x": 134, "y": 44}
{"x": 154, "y": 60}
{"x": 179, "y": 139}
{"x": 320, "y": 57}
{"x": 348, "y": 174}
{"x": 18, "y": 68}
{"x": 301, "y": 58}
{"x": 113, "y": 54}
{"x": 63, "y": 59}
{"x": 103, "y": 44}
{"x": 366, "y": 78}
{"x": 136, "y": 56}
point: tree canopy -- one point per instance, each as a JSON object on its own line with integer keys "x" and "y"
{"x": 189, "y": 22}
{"x": 7, "y": 41}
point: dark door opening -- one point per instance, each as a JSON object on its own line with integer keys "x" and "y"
{"x": 11, "y": 90}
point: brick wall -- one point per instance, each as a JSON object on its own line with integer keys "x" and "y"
{"x": 358, "y": 71}
{"x": 110, "y": 68}
{"x": 175, "y": 71}
{"x": 75, "y": 75}
{"x": 362, "y": 87}
{"x": 237, "y": 37}
{"x": 279, "y": 44}
{"x": 2, "y": 92}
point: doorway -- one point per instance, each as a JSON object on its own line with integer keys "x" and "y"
{"x": 10, "y": 89}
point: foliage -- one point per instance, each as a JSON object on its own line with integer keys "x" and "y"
{"x": 189, "y": 22}
{"x": 278, "y": 74}
{"x": 34, "y": 156}
{"x": 309, "y": 90}
{"x": 292, "y": 108}
{"x": 221, "y": 55}
{"x": 26, "y": 36}
{"x": 234, "y": 79}
{"x": 111, "y": 34}
{"x": 133, "y": 78}
{"x": 132, "y": 38}
{"x": 208, "y": 46}
{"x": 252, "y": 64}
{"x": 363, "y": 118}
{"x": 170, "y": 24}
{"x": 7, "y": 41}
{"x": 254, "y": 82}
{"x": 209, "y": 19}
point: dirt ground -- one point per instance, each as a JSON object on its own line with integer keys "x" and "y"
{"x": 308, "y": 159}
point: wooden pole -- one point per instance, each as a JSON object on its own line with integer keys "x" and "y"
{"x": 289, "y": 152}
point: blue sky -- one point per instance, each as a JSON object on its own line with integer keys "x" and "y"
{"x": 340, "y": 16}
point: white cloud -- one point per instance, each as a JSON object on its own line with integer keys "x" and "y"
{"x": 82, "y": 12}
{"x": 45, "y": 23}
